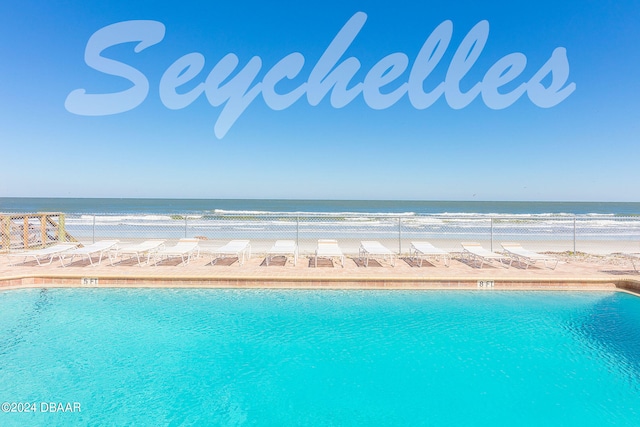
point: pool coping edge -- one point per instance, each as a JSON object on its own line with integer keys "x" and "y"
{"x": 274, "y": 282}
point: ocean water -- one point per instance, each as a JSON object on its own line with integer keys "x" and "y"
{"x": 550, "y": 226}
{"x": 293, "y": 358}
{"x": 202, "y": 206}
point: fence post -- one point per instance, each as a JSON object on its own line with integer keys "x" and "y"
{"x": 43, "y": 230}
{"x": 5, "y": 233}
{"x": 186, "y": 217}
{"x": 298, "y": 232}
{"x": 25, "y": 232}
{"x": 491, "y": 234}
{"x": 93, "y": 231}
{"x": 62, "y": 233}
{"x": 399, "y": 235}
{"x": 574, "y": 235}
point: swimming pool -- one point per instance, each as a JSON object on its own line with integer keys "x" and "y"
{"x": 272, "y": 357}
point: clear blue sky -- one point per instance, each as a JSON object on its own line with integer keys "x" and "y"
{"x": 585, "y": 148}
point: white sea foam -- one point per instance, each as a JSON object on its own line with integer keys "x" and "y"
{"x": 310, "y": 214}
{"x": 123, "y": 218}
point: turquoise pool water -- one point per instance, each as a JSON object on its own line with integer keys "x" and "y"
{"x": 151, "y": 357}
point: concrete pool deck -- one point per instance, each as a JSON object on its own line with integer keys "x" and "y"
{"x": 574, "y": 272}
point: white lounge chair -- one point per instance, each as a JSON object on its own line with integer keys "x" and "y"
{"x": 148, "y": 248}
{"x": 41, "y": 254}
{"x": 328, "y": 248}
{"x": 373, "y": 248}
{"x": 634, "y": 257}
{"x": 238, "y": 248}
{"x": 97, "y": 248}
{"x": 185, "y": 249}
{"x": 283, "y": 247}
{"x": 525, "y": 257}
{"x": 425, "y": 250}
{"x": 475, "y": 251}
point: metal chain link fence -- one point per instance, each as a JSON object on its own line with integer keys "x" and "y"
{"x": 589, "y": 234}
